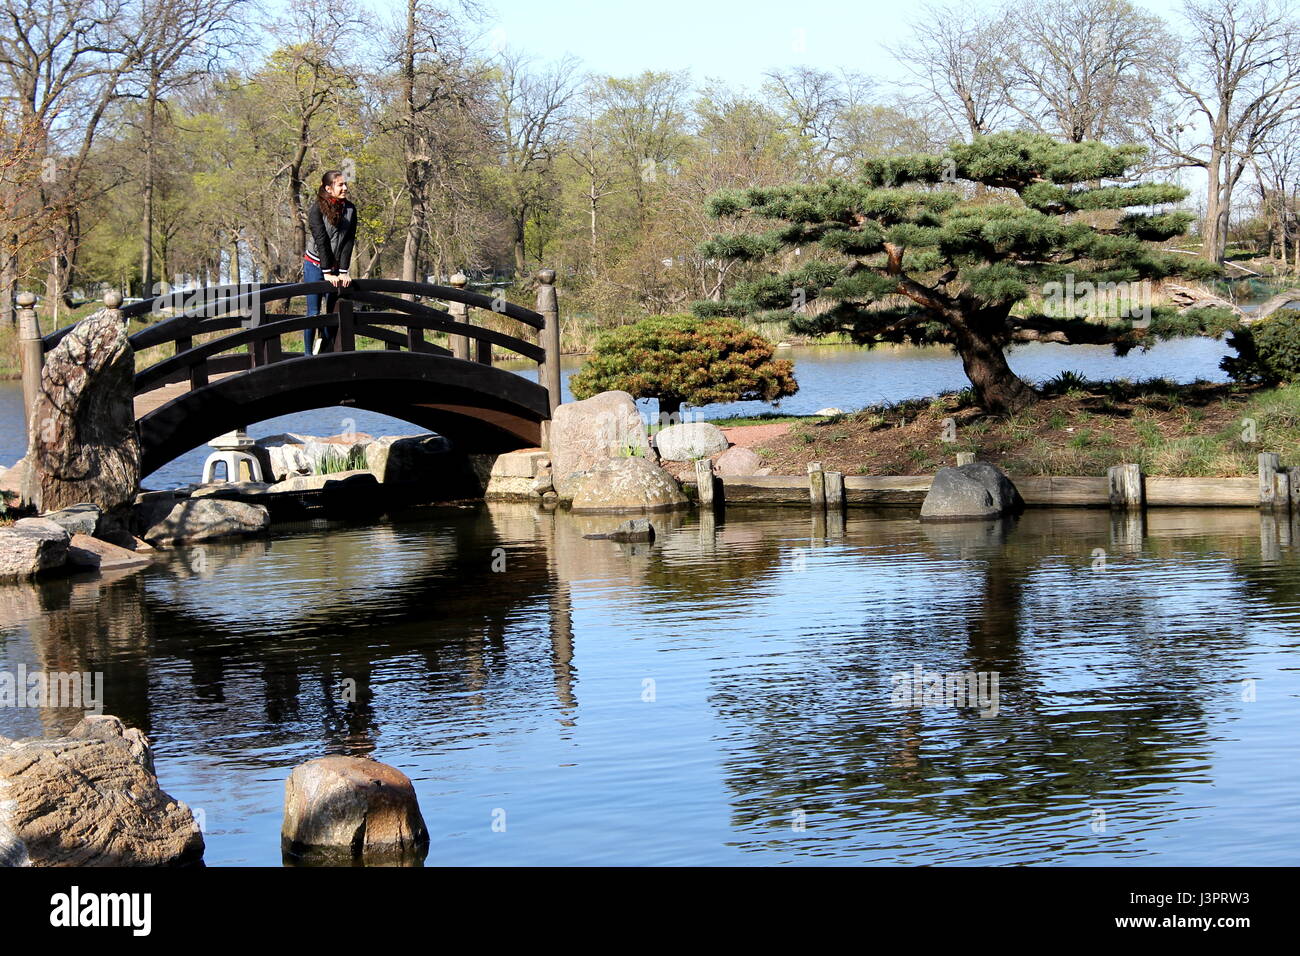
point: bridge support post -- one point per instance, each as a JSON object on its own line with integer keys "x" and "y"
{"x": 459, "y": 312}
{"x": 549, "y": 307}
{"x": 32, "y": 353}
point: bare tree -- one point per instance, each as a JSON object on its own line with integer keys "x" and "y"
{"x": 1085, "y": 69}
{"x": 532, "y": 121}
{"x": 814, "y": 104}
{"x": 180, "y": 41}
{"x": 1238, "y": 83}
{"x": 957, "y": 60}
{"x": 62, "y": 62}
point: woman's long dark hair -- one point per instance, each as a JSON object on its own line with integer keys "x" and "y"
{"x": 330, "y": 209}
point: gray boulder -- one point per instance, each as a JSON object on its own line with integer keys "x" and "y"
{"x": 739, "y": 461}
{"x": 626, "y": 484}
{"x": 84, "y": 444}
{"x": 203, "y": 519}
{"x": 94, "y": 554}
{"x": 974, "y": 491}
{"x": 32, "y": 546}
{"x": 689, "y": 441}
{"x": 638, "y": 529}
{"x": 584, "y": 434}
{"x": 80, "y": 518}
{"x": 90, "y": 799}
{"x": 401, "y": 459}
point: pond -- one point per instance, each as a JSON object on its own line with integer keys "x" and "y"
{"x": 844, "y": 377}
{"x": 726, "y": 695}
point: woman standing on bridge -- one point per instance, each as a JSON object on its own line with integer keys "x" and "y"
{"x": 333, "y": 227}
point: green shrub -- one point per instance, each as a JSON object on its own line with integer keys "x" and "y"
{"x": 681, "y": 358}
{"x": 1268, "y": 351}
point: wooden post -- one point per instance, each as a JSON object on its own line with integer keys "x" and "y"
{"x": 1274, "y": 482}
{"x": 1126, "y": 488}
{"x": 816, "y": 486}
{"x": 834, "y": 491}
{"x": 965, "y": 458}
{"x": 704, "y": 483}
{"x": 346, "y": 338}
{"x": 459, "y": 312}
{"x": 32, "y": 353}
{"x": 549, "y": 307}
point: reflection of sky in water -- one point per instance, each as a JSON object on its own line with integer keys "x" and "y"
{"x": 770, "y": 649}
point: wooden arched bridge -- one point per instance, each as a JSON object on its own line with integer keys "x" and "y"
{"x": 228, "y": 367}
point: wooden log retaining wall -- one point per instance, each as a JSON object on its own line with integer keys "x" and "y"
{"x": 1128, "y": 489}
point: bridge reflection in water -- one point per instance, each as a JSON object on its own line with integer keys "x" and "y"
{"x": 688, "y": 696}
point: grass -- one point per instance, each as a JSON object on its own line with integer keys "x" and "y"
{"x": 333, "y": 462}
{"x": 1077, "y": 428}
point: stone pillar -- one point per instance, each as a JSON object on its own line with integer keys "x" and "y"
{"x": 459, "y": 312}
{"x": 31, "y": 351}
{"x": 549, "y": 307}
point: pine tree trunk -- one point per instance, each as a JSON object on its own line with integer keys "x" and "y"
{"x": 997, "y": 388}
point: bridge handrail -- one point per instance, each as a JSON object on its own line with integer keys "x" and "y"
{"x": 224, "y": 298}
{"x": 234, "y": 300}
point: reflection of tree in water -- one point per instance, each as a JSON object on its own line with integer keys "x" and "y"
{"x": 184, "y": 667}
{"x": 827, "y": 738}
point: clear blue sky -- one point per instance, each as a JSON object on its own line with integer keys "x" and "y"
{"x": 730, "y": 40}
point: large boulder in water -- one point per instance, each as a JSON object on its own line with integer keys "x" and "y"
{"x": 90, "y": 799}
{"x": 584, "y": 434}
{"x": 626, "y": 484}
{"x": 202, "y": 519}
{"x": 83, "y": 445}
{"x": 352, "y": 809}
{"x": 974, "y": 491}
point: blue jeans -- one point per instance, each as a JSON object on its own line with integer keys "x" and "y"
{"x": 312, "y": 273}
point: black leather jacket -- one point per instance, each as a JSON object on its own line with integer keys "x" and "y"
{"x": 329, "y": 245}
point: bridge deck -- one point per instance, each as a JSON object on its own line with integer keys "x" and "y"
{"x": 158, "y": 397}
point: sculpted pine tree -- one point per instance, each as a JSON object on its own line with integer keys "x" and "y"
{"x": 681, "y": 358}
{"x": 903, "y": 253}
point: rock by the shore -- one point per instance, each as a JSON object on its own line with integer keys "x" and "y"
{"x": 829, "y": 411}
{"x": 90, "y": 799}
{"x": 11, "y": 479}
{"x": 203, "y": 519}
{"x": 352, "y": 809}
{"x": 637, "y": 529}
{"x": 31, "y": 547}
{"x": 404, "y": 459}
{"x": 82, "y": 518}
{"x": 738, "y": 460}
{"x": 84, "y": 445}
{"x": 94, "y": 554}
{"x": 520, "y": 475}
{"x": 230, "y": 489}
{"x": 626, "y": 484}
{"x": 975, "y": 491}
{"x": 586, "y": 433}
{"x": 689, "y": 441}
{"x": 314, "y": 482}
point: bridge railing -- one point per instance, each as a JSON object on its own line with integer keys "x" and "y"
{"x": 389, "y": 314}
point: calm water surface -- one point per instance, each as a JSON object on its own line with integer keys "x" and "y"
{"x": 684, "y": 702}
